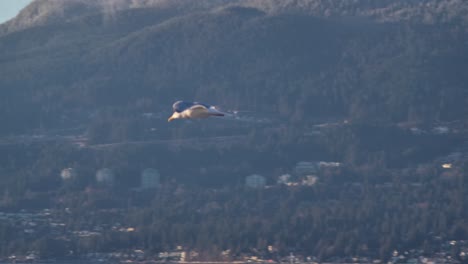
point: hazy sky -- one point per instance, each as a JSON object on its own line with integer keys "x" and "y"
{"x": 10, "y": 8}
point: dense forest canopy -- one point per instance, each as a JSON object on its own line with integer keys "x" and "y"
{"x": 395, "y": 60}
{"x": 377, "y": 87}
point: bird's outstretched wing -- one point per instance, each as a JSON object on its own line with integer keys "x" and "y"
{"x": 198, "y": 107}
{"x": 203, "y": 110}
{"x": 202, "y": 104}
{"x": 214, "y": 111}
{"x": 180, "y": 106}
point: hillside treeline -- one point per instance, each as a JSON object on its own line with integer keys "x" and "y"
{"x": 295, "y": 65}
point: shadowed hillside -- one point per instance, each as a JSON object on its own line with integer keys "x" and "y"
{"x": 301, "y": 60}
{"x": 344, "y": 137}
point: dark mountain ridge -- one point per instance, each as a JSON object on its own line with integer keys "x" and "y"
{"x": 371, "y": 94}
{"x": 257, "y": 55}
{"x": 42, "y": 12}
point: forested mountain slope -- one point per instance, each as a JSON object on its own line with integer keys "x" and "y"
{"x": 363, "y": 91}
{"x": 392, "y": 61}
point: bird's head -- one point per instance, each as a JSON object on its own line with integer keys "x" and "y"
{"x": 175, "y": 115}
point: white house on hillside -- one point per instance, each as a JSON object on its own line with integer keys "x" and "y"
{"x": 255, "y": 181}
{"x": 150, "y": 178}
{"x": 105, "y": 176}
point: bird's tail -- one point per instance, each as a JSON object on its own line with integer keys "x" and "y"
{"x": 215, "y": 112}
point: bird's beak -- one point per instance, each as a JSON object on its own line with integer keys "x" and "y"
{"x": 170, "y": 119}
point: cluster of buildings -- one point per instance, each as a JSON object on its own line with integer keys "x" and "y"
{"x": 30, "y": 225}
{"x": 452, "y": 251}
{"x": 304, "y": 173}
{"x": 449, "y": 251}
{"x": 149, "y": 177}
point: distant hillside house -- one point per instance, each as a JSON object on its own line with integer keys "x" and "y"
{"x": 255, "y": 181}
{"x": 68, "y": 174}
{"x": 150, "y": 178}
{"x": 284, "y": 179}
{"x": 309, "y": 180}
{"x": 323, "y": 164}
{"x": 440, "y": 130}
{"x": 306, "y": 168}
{"x": 105, "y": 176}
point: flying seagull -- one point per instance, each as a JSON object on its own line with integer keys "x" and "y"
{"x": 191, "y": 110}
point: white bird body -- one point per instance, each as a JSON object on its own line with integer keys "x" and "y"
{"x": 189, "y": 110}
